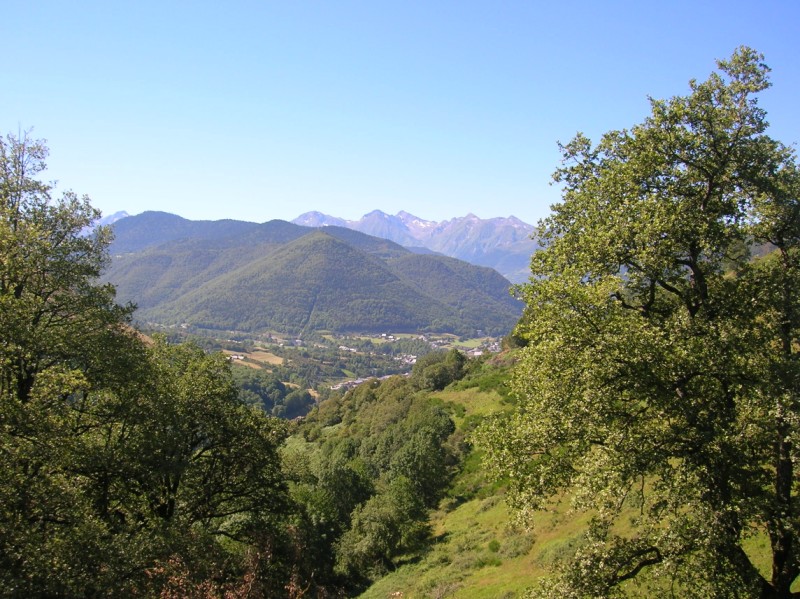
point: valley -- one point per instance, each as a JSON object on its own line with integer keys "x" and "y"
{"x": 325, "y": 361}
{"x": 245, "y": 390}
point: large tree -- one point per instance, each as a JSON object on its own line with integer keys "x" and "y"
{"x": 659, "y": 386}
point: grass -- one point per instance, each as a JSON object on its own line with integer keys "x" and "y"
{"x": 296, "y": 444}
{"x": 473, "y": 343}
{"x": 476, "y": 554}
{"x": 477, "y": 551}
{"x": 266, "y": 357}
{"x": 255, "y": 359}
{"x": 251, "y": 364}
{"x": 476, "y": 403}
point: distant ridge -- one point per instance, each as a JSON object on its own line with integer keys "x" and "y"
{"x": 505, "y": 244}
{"x": 280, "y": 276}
{"x": 135, "y": 233}
{"x": 317, "y": 219}
{"x": 112, "y": 218}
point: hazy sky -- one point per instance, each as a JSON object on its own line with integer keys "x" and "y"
{"x": 262, "y": 110}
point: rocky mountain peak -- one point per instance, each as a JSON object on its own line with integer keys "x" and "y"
{"x": 501, "y": 243}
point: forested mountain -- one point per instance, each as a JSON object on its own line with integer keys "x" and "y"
{"x": 229, "y": 275}
{"x": 133, "y": 234}
{"x": 505, "y": 244}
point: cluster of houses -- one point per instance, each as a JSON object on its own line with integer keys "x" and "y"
{"x": 356, "y": 382}
{"x": 410, "y": 360}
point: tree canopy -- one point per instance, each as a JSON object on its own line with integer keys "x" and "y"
{"x": 659, "y": 386}
{"x": 127, "y": 466}
{"x": 52, "y": 311}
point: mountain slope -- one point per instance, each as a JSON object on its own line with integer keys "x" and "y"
{"x": 504, "y": 244}
{"x": 284, "y": 277}
{"x": 135, "y": 233}
{"x": 468, "y": 289}
{"x": 328, "y": 285}
{"x": 160, "y": 273}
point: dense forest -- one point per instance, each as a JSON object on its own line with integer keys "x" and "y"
{"x": 642, "y": 418}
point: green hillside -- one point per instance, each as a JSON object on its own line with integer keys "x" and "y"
{"x": 315, "y": 282}
{"x": 283, "y": 277}
{"x": 477, "y": 549}
{"x": 172, "y": 261}
{"x": 381, "y": 248}
{"x": 467, "y": 288}
{"x": 471, "y": 547}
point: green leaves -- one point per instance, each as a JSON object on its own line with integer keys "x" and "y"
{"x": 660, "y": 372}
{"x": 119, "y": 455}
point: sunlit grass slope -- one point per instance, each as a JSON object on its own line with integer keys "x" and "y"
{"x": 478, "y": 551}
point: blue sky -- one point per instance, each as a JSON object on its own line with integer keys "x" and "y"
{"x": 262, "y": 110}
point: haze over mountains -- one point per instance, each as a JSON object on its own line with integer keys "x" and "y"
{"x": 504, "y": 244}
{"x": 280, "y": 276}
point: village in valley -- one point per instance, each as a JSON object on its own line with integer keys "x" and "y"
{"x": 327, "y": 361}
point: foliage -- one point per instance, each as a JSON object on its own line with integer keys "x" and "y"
{"x": 367, "y": 484}
{"x": 266, "y": 391}
{"x": 259, "y": 388}
{"x": 661, "y": 368}
{"x": 488, "y": 373}
{"x": 385, "y": 526}
{"x": 128, "y": 466}
{"x": 205, "y": 457}
{"x": 436, "y": 370}
{"x": 473, "y": 550}
{"x": 51, "y": 313}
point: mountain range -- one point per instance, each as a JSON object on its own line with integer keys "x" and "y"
{"x": 505, "y": 244}
{"x": 280, "y": 276}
